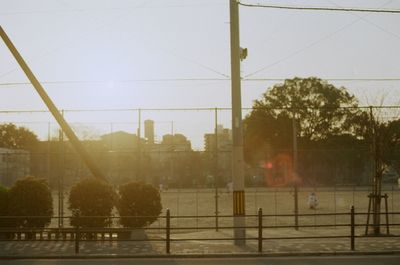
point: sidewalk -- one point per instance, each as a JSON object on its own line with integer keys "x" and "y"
{"x": 22, "y": 249}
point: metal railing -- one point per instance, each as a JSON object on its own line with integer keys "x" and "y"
{"x": 256, "y": 223}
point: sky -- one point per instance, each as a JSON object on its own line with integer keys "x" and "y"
{"x": 161, "y": 54}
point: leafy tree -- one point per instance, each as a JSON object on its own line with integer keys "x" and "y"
{"x": 91, "y": 202}
{"x": 5, "y": 220}
{"x": 14, "y": 137}
{"x": 384, "y": 137}
{"x": 31, "y": 196}
{"x": 139, "y": 204}
{"x": 320, "y": 111}
{"x": 387, "y": 139}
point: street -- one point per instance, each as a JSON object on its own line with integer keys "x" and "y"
{"x": 324, "y": 260}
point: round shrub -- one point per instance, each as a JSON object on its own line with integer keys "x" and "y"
{"x": 30, "y": 197}
{"x": 91, "y": 202}
{"x": 139, "y": 204}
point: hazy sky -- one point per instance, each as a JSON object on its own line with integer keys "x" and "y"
{"x": 117, "y": 54}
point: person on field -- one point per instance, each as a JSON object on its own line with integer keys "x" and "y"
{"x": 229, "y": 187}
{"x": 312, "y": 201}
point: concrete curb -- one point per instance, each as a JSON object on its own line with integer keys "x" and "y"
{"x": 198, "y": 256}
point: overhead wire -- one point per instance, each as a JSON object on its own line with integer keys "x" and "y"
{"x": 272, "y": 79}
{"x": 310, "y": 45}
{"x": 312, "y": 8}
{"x": 196, "y": 109}
{"x": 363, "y": 18}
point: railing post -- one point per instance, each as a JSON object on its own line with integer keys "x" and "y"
{"x": 386, "y": 214}
{"x": 260, "y": 230}
{"x": 352, "y": 228}
{"x": 77, "y": 237}
{"x": 168, "y": 232}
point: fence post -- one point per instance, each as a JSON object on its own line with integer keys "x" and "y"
{"x": 352, "y": 227}
{"x": 260, "y": 230}
{"x": 168, "y": 232}
{"x": 387, "y": 214}
{"x": 77, "y": 237}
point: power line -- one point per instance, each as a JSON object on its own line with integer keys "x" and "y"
{"x": 115, "y": 81}
{"x": 274, "y": 79}
{"x": 80, "y": 10}
{"x": 194, "y": 109}
{"x": 334, "y": 9}
{"x": 331, "y": 79}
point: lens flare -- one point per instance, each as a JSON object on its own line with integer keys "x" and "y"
{"x": 278, "y": 171}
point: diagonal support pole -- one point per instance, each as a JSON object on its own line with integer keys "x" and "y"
{"x": 79, "y": 148}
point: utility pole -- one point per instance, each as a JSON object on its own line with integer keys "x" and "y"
{"x": 79, "y": 148}
{"x": 239, "y": 221}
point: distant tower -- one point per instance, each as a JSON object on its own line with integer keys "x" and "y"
{"x": 149, "y": 131}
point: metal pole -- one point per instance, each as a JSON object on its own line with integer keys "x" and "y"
{"x": 60, "y": 172}
{"x": 352, "y": 226}
{"x": 216, "y": 177}
{"x": 260, "y": 230}
{"x": 139, "y": 154}
{"x": 77, "y": 236}
{"x": 62, "y": 176}
{"x": 168, "y": 232}
{"x": 296, "y": 195}
{"x": 172, "y": 149}
{"x": 48, "y": 152}
{"x": 376, "y": 202}
{"x": 386, "y": 214}
{"x": 53, "y": 109}
{"x": 237, "y": 133}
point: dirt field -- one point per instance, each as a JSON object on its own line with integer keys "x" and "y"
{"x": 273, "y": 201}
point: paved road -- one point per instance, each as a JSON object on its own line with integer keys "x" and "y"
{"x": 327, "y": 260}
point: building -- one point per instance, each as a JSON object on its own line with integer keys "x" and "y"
{"x": 224, "y": 140}
{"x": 14, "y": 164}
{"x": 223, "y": 158}
{"x": 120, "y": 140}
{"x": 149, "y": 131}
{"x": 149, "y": 161}
{"x": 176, "y": 142}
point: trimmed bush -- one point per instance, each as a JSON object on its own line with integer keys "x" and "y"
{"x": 92, "y": 198}
{"x": 31, "y": 196}
{"x": 141, "y": 200}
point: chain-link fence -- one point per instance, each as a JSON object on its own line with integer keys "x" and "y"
{"x": 187, "y": 154}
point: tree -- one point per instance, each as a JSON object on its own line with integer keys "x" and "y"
{"x": 91, "y": 202}
{"x": 14, "y": 137}
{"x": 30, "y": 197}
{"x": 3, "y": 205}
{"x": 384, "y": 137}
{"x": 139, "y": 204}
{"x": 320, "y": 111}
{"x": 5, "y": 220}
